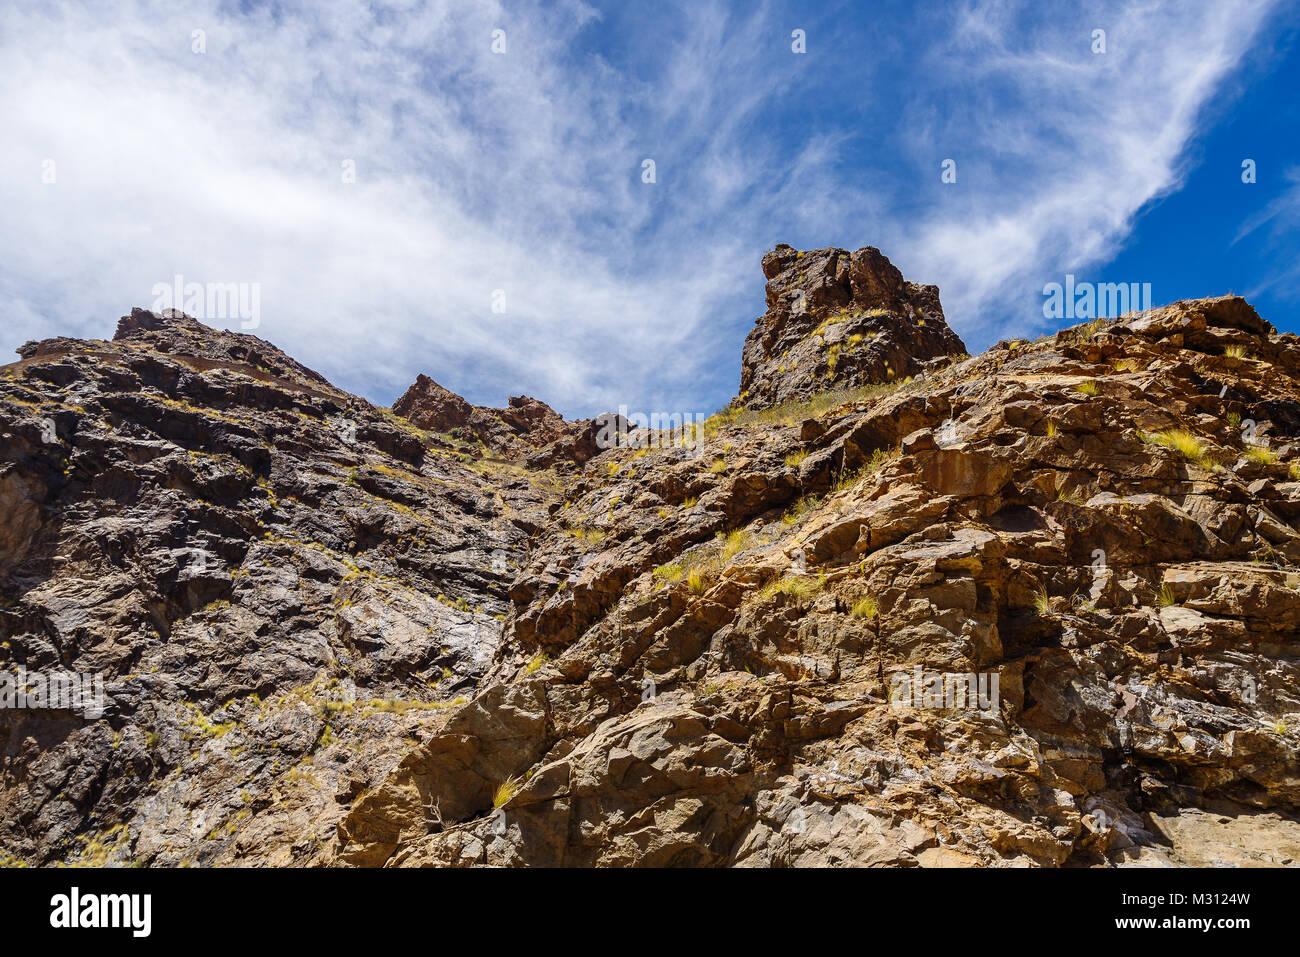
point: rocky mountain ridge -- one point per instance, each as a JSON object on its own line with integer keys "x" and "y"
{"x": 895, "y": 606}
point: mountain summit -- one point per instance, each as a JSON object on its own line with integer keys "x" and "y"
{"x": 839, "y": 318}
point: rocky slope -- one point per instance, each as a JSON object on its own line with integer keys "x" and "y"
{"x": 730, "y": 653}
{"x": 280, "y": 583}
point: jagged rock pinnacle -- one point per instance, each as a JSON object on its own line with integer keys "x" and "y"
{"x": 839, "y": 320}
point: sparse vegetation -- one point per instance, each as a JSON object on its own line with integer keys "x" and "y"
{"x": 395, "y": 705}
{"x": 798, "y": 587}
{"x": 735, "y": 542}
{"x": 697, "y": 581}
{"x": 1089, "y": 330}
{"x": 800, "y": 510}
{"x": 806, "y": 591}
{"x": 202, "y": 726}
{"x": 700, "y": 566}
{"x": 98, "y": 850}
{"x": 864, "y": 607}
{"x": 505, "y": 791}
{"x": 1071, "y": 496}
{"x": 796, "y": 411}
{"x": 879, "y": 459}
{"x": 460, "y": 604}
{"x": 1185, "y": 443}
{"x": 670, "y": 572}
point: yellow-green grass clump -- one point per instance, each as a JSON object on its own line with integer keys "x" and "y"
{"x": 735, "y": 542}
{"x": 697, "y": 580}
{"x": 1185, "y": 443}
{"x": 864, "y": 607}
{"x": 670, "y": 572}
{"x": 506, "y": 790}
{"x": 796, "y": 586}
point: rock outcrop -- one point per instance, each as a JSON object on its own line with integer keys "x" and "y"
{"x": 839, "y": 318}
{"x": 1038, "y": 607}
{"x": 526, "y": 428}
{"x": 429, "y": 406}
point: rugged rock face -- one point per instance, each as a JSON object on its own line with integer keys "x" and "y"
{"x": 1037, "y": 607}
{"x": 839, "y": 318}
{"x": 279, "y": 583}
{"x": 525, "y": 427}
{"x": 429, "y": 406}
{"x": 740, "y": 657}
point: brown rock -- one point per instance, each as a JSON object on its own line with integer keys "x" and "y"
{"x": 839, "y": 320}
{"x": 428, "y": 405}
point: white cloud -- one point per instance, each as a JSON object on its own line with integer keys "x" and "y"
{"x": 521, "y": 172}
{"x": 1080, "y": 143}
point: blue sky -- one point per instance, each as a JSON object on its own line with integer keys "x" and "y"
{"x": 497, "y": 233}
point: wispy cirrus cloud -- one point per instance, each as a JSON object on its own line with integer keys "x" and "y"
{"x": 1280, "y": 220}
{"x": 1061, "y": 145}
{"x": 520, "y": 173}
